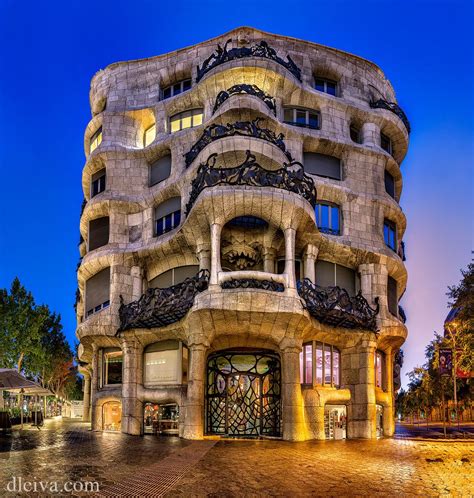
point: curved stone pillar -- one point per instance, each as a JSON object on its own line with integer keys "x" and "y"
{"x": 194, "y": 413}
{"x": 94, "y": 386}
{"x": 309, "y": 260}
{"x": 294, "y": 428}
{"x": 370, "y": 134}
{"x": 132, "y": 407}
{"x": 290, "y": 235}
{"x": 86, "y": 411}
{"x": 216, "y": 230}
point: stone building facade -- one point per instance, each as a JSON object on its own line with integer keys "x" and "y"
{"x": 241, "y": 256}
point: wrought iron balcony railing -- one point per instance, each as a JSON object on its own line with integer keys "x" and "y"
{"x": 239, "y": 128}
{"x": 334, "y": 306}
{"x": 401, "y": 314}
{"x": 291, "y": 177}
{"x": 393, "y": 107}
{"x": 242, "y": 89}
{"x": 253, "y": 283}
{"x": 262, "y": 49}
{"x": 160, "y": 307}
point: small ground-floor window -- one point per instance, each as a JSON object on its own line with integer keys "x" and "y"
{"x": 335, "y": 421}
{"x": 161, "y": 419}
{"x": 379, "y": 420}
{"x": 111, "y": 416}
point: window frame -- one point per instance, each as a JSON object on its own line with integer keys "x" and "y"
{"x": 391, "y": 228}
{"x": 379, "y": 378}
{"x": 175, "y": 222}
{"x": 95, "y": 137}
{"x": 145, "y": 132}
{"x": 99, "y": 183}
{"x": 388, "y": 175}
{"x": 171, "y": 88}
{"x": 325, "y": 82}
{"x": 322, "y": 347}
{"x": 307, "y": 112}
{"x": 198, "y": 111}
{"x": 328, "y": 230}
{"x": 389, "y": 148}
{"x": 341, "y": 166}
{"x": 104, "y": 372}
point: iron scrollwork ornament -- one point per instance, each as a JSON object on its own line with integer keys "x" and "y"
{"x": 262, "y": 49}
{"x": 239, "y": 128}
{"x": 334, "y": 306}
{"x": 393, "y": 107}
{"x": 253, "y": 283}
{"x": 160, "y": 307}
{"x": 244, "y": 88}
{"x": 291, "y": 177}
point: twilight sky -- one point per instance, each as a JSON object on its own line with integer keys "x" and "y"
{"x": 50, "y": 50}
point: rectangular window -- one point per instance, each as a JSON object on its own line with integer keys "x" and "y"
{"x": 379, "y": 367}
{"x": 168, "y": 223}
{"x": 98, "y": 232}
{"x": 327, "y": 218}
{"x": 385, "y": 143}
{"x": 319, "y": 364}
{"x": 187, "y": 119}
{"x": 113, "y": 359}
{"x": 326, "y": 361}
{"x": 149, "y": 135}
{"x": 331, "y": 274}
{"x": 98, "y": 182}
{"x": 175, "y": 89}
{"x": 326, "y": 86}
{"x": 98, "y": 292}
{"x": 389, "y": 184}
{"x": 336, "y": 369}
{"x": 322, "y": 165}
{"x": 390, "y": 234}
{"x": 96, "y": 140}
{"x": 392, "y": 296}
{"x": 160, "y": 170}
{"x": 302, "y": 117}
{"x": 308, "y": 349}
{"x": 327, "y": 365}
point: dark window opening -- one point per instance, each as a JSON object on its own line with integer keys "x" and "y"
{"x": 328, "y": 218}
{"x": 302, "y": 117}
{"x": 175, "y": 89}
{"x": 98, "y": 182}
{"x": 385, "y": 143}
{"x": 326, "y": 86}
{"x": 389, "y": 184}
{"x": 390, "y": 234}
{"x": 248, "y": 222}
{"x": 322, "y": 165}
{"x": 392, "y": 296}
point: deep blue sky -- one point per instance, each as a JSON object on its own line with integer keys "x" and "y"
{"x": 50, "y": 50}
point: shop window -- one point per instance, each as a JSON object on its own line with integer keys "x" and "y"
{"x": 389, "y": 184}
{"x": 160, "y": 170}
{"x": 149, "y": 135}
{"x": 98, "y": 232}
{"x": 335, "y": 421}
{"x": 392, "y": 296}
{"x": 186, "y": 119}
{"x": 328, "y": 218}
{"x": 302, "y": 117}
{"x": 385, "y": 143}
{"x": 356, "y": 134}
{"x": 165, "y": 363}
{"x": 176, "y": 89}
{"x": 331, "y": 274}
{"x": 173, "y": 277}
{"x": 98, "y": 292}
{"x": 95, "y": 140}
{"x": 161, "y": 419}
{"x": 326, "y": 86}
{"x": 98, "y": 182}
{"x": 322, "y": 165}
{"x": 111, "y": 416}
{"x": 167, "y": 215}
{"x": 112, "y": 360}
{"x": 390, "y": 234}
{"x": 322, "y": 359}
{"x": 379, "y": 369}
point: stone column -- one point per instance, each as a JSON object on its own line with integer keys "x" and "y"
{"x": 94, "y": 386}
{"x": 309, "y": 260}
{"x": 388, "y": 411}
{"x": 294, "y": 428}
{"x": 269, "y": 260}
{"x": 194, "y": 419}
{"x": 87, "y": 398}
{"x": 204, "y": 256}
{"x": 216, "y": 230}
{"x": 373, "y": 283}
{"x": 137, "y": 282}
{"x": 290, "y": 234}
{"x": 132, "y": 407}
{"x": 371, "y": 134}
{"x": 361, "y": 417}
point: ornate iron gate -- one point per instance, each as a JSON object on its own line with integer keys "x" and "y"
{"x": 243, "y": 394}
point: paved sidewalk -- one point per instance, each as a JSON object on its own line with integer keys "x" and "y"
{"x": 149, "y": 466}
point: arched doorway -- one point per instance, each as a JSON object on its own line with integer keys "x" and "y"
{"x": 243, "y": 393}
{"x": 111, "y": 416}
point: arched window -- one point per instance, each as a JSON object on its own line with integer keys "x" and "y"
{"x": 186, "y": 119}
{"x": 328, "y": 218}
{"x": 322, "y": 165}
{"x": 167, "y": 215}
{"x": 173, "y": 276}
{"x": 320, "y": 364}
{"x": 176, "y": 89}
{"x": 325, "y": 85}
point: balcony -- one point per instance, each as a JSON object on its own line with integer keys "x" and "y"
{"x": 261, "y": 49}
{"x": 245, "y": 89}
{"x": 291, "y": 178}
{"x": 333, "y": 306}
{"x": 161, "y": 307}
{"x": 392, "y": 107}
{"x": 250, "y": 129}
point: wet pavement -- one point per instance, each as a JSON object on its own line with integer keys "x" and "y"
{"x": 149, "y": 466}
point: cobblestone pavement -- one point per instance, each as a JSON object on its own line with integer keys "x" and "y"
{"x": 149, "y": 466}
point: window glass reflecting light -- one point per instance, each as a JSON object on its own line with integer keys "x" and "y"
{"x": 149, "y": 135}
{"x": 96, "y": 140}
{"x": 187, "y": 119}
{"x": 327, "y": 361}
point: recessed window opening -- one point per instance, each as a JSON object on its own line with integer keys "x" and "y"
{"x": 302, "y": 117}
{"x": 320, "y": 364}
{"x": 176, "y": 89}
{"x": 186, "y": 119}
{"x": 326, "y": 86}
{"x": 390, "y": 234}
{"x": 149, "y": 135}
{"x": 95, "y": 140}
{"x": 328, "y": 218}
